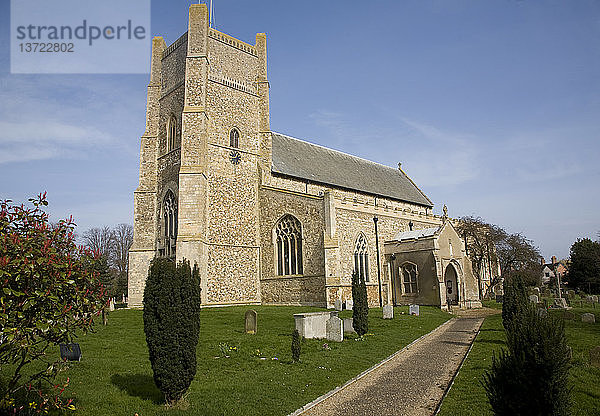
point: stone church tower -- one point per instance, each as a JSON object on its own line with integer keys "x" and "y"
{"x": 206, "y": 141}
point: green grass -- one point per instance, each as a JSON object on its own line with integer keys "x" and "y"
{"x": 467, "y": 396}
{"x": 115, "y": 378}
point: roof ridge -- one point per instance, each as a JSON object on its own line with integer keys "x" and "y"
{"x": 344, "y": 153}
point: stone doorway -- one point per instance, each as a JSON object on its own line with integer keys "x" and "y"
{"x": 451, "y": 280}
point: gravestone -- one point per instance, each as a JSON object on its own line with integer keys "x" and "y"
{"x": 536, "y": 291}
{"x": 542, "y": 312}
{"x": 348, "y": 326}
{"x": 533, "y": 298}
{"x": 70, "y": 352}
{"x": 251, "y": 322}
{"x": 589, "y": 318}
{"x": 413, "y": 310}
{"x": 349, "y": 304}
{"x": 589, "y": 298}
{"x": 313, "y": 324}
{"x": 388, "y": 312}
{"x": 499, "y": 298}
{"x": 335, "y": 329}
{"x": 568, "y": 315}
{"x": 560, "y": 303}
{"x": 111, "y": 305}
{"x": 595, "y": 298}
{"x": 338, "y": 305}
{"x": 595, "y": 356}
{"x": 571, "y": 294}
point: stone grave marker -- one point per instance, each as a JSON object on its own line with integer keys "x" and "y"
{"x": 499, "y": 298}
{"x": 595, "y": 356}
{"x": 559, "y": 303}
{"x": 251, "y": 322}
{"x": 542, "y": 312}
{"x": 388, "y": 312}
{"x": 595, "y": 298}
{"x": 338, "y": 305}
{"x": 536, "y": 291}
{"x": 568, "y": 315}
{"x": 348, "y": 326}
{"x": 111, "y": 305}
{"x": 533, "y": 298}
{"x": 589, "y": 318}
{"x": 349, "y": 304}
{"x": 413, "y": 310}
{"x": 334, "y": 329}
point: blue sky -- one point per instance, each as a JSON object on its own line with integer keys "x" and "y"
{"x": 492, "y": 107}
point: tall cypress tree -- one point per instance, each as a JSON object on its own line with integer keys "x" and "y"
{"x": 172, "y": 325}
{"x": 360, "y": 307}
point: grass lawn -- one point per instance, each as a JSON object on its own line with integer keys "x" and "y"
{"x": 115, "y": 378}
{"x": 467, "y": 396}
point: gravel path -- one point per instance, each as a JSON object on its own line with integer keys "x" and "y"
{"x": 411, "y": 383}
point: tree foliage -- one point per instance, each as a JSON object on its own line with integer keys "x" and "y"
{"x": 584, "y": 272}
{"x": 488, "y": 244}
{"x": 112, "y": 244}
{"x": 531, "y": 377}
{"x": 172, "y": 325}
{"x": 50, "y": 290}
{"x": 360, "y": 306}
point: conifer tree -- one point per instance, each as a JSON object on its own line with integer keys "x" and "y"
{"x": 360, "y": 307}
{"x": 172, "y": 325}
{"x": 296, "y": 348}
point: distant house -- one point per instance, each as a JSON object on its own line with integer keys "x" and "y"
{"x": 551, "y": 270}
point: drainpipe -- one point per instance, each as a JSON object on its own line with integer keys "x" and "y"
{"x": 375, "y": 219}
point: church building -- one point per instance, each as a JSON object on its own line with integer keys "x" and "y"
{"x": 269, "y": 218}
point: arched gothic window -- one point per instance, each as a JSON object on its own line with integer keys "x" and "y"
{"x": 171, "y": 133}
{"x": 288, "y": 232}
{"x": 409, "y": 277}
{"x": 234, "y": 138}
{"x": 169, "y": 214}
{"x": 361, "y": 257}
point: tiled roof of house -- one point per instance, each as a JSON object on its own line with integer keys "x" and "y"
{"x": 304, "y": 160}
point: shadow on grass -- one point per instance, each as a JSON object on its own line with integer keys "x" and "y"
{"x": 138, "y": 385}
{"x": 491, "y": 341}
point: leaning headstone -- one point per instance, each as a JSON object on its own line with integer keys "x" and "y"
{"x": 568, "y": 315}
{"x": 588, "y": 318}
{"x": 348, "y": 326}
{"x": 533, "y": 298}
{"x": 251, "y": 322}
{"x": 542, "y": 312}
{"x": 499, "y": 298}
{"x": 595, "y": 356}
{"x": 388, "y": 312}
{"x": 560, "y": 303}
{"x": 349, "y": 304}
{"x": 335, "y": 329}
{"x": 338, "y": 305}
{"x": 413, "y": 310}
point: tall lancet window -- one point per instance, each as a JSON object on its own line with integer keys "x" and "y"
{"x": 288, "y": 233}
{"x": 234, "y": 138}
{"x": 169, "y": 224}
{"x": 361, "y": 257}
{"x": 171, "y": 133}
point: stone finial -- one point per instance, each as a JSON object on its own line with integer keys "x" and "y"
{"x": 445, "y": 210}
{"x": 399, "y": 165}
